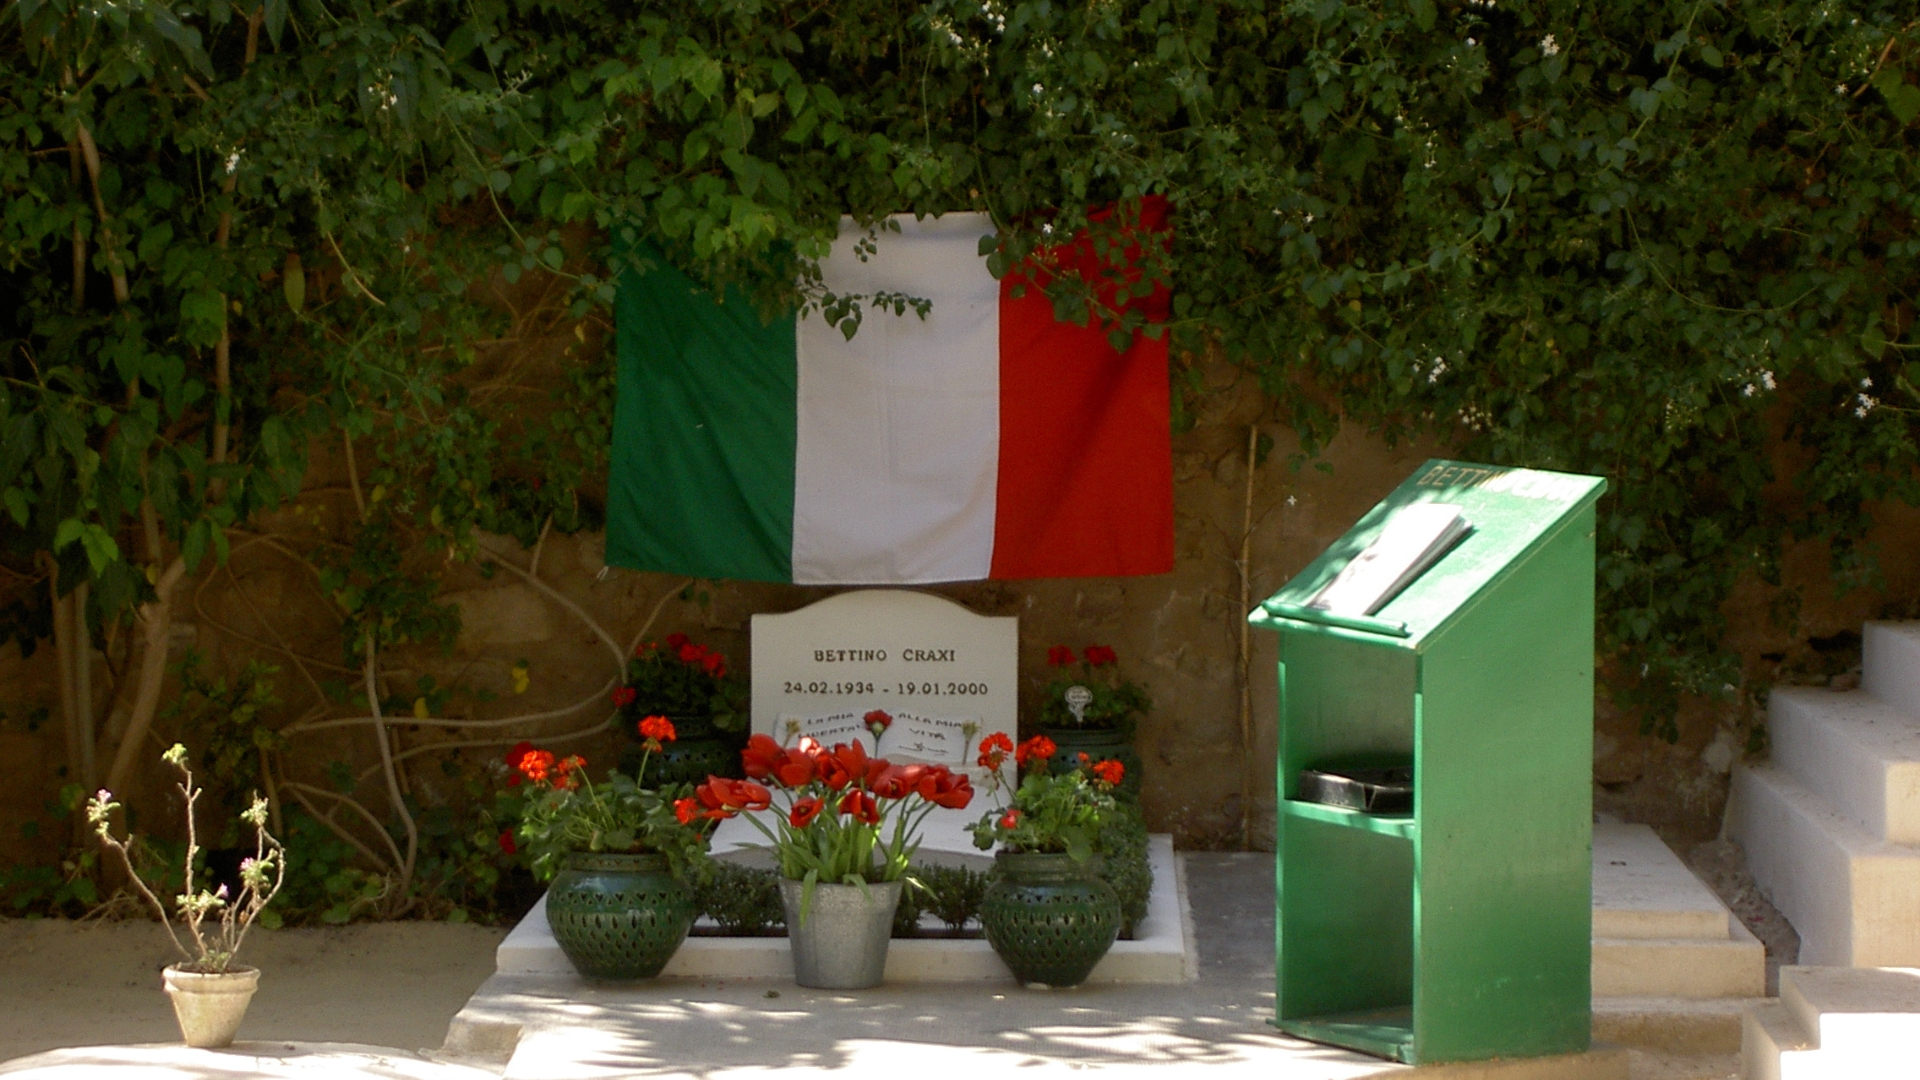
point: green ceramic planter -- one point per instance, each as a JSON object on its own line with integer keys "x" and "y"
{"x": 1099, "y": 744}
{"x": 699, "y": 750}
{"x": 1049, "y": 918}
{"x": 618, "y": 916}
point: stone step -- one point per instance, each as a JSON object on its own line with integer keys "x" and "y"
{"x": 1672, "y": 1025}
{"x": 1680, "y": 967}
{"x": 1890, "y": 663}
{"x": 1857, "y": 1012}
{"x": 1641, "y": 889}
{"x": 1859, "y": 752}
{"x": 1773, "y": 1046}
{"x": 1851, "y": 895}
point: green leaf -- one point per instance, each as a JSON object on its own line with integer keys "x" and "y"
{"x": 293, "y": 282}
{"x": 1422, "y": 12}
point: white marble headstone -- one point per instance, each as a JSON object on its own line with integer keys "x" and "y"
{"x": 946, "y": 676}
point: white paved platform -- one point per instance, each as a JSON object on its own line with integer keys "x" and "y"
{"x": 1162, "y": 951}
{"x": 554, "y": 1027}
{"x": 241, "y": 1061}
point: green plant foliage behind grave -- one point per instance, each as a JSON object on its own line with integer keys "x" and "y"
{"x": 1641, "y": 239}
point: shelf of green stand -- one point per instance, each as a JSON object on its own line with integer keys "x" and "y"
{"x": 1460, "y": 931}
{"x": 1400, "y": 825}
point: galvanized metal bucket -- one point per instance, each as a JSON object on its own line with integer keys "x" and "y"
{"x": 842, "y": 942}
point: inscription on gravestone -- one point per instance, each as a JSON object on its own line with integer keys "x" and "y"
{"x": 945, "y": 675}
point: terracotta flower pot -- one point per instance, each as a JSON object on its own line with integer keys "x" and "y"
{"x": 210, "y": 1006}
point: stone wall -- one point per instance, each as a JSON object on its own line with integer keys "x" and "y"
{"x": 1180, "y": 634}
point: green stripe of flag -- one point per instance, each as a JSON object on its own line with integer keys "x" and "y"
{"x": 703, "y": 433}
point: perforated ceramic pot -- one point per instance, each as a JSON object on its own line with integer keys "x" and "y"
{"x": 698, "y": 751}
{"x": 1050, "y": 918}
{"x": 1099, "y": 744}
{"x": 618, "y": 916}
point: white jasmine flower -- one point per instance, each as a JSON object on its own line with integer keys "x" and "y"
{"x": 1549, "y": 47}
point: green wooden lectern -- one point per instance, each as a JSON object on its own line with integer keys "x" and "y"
{"x": 1460, "y": 931}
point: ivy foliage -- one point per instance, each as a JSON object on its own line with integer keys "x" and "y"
{"x": 1649, "y": 239}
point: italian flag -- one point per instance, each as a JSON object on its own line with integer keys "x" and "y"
{"x": 984, "y": 441}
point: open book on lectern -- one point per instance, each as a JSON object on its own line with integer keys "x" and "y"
{"x": 908, "y": 737}
{"x": 1413, "y": 539}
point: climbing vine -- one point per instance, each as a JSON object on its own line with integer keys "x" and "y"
{"x": 1669, "y": 241}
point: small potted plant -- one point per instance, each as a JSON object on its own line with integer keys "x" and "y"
{"x": 209, "y": 990}
{"x": 1048, "y": 912}
{"x": 844, "y": 834}
{"x": 619, "y": 857}
{"x": 1089, "y": 708}
{"x": 688, "y": 683}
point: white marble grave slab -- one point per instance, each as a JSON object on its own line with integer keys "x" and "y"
{"x": 946, "y": 675}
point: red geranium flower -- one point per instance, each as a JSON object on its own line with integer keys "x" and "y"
{"x": 656, "y": 730}
{"x": 1100, "y": 656}
{"x": 861, "y": 806}
{"x": 1059, "y": 656}
{"x": 946, "y": 788}
{"x": 692, "y": 654}
{"x": 716, "y": 665}
{"x": 507, "y": 846}
{"x": 1111, "y": 772}
{"x": 1038, "y": 748}
{"x": 1010, "y": 819}
{"x": 624, "y": 696}
{"x": 804, "y": 811}
{"x": 994, "y": 750}
{"x": 686, "y": 809}
{"x": 676, "y": 640}
{"x": 536, "y": 764}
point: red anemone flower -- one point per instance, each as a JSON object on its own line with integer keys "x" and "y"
{"x": 946, "y": 788}
{"x": 761, "y": 756}
{"x": 860, "y": 806}
{"x": 804, "y": 811}
{"x": 796, "y": 770}
{"x": 734, "y": 796}
{"x": 896, "y": 781}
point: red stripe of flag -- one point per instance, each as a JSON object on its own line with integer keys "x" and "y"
{"x": 1086, "y": 455}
